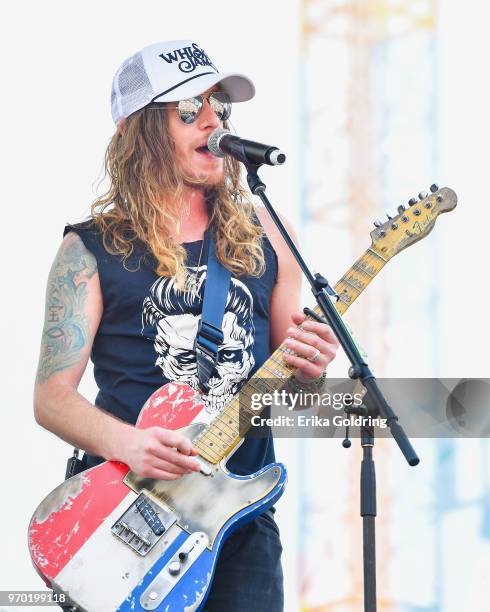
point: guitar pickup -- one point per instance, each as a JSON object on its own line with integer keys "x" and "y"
{"x": 143, "y": 524}
{"x": 150, "y": 516}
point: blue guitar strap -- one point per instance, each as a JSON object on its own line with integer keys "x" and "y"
{"x": 210, "y": 333}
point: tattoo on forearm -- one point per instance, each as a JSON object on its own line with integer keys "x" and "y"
{"x": 66, "y": 327}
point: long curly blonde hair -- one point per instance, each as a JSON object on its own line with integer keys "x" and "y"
{"x": 143, "y": 202}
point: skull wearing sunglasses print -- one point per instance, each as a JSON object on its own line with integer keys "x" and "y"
{"x": 170, "y": 319}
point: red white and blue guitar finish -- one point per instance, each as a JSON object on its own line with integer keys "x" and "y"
{"x": 84, "y": 542}
{"x": 111, "y": 540}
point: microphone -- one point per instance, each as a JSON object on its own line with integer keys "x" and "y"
{"x": 222, "y": 142}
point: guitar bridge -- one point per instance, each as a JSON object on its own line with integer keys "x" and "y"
{"x": 143, "y": 524}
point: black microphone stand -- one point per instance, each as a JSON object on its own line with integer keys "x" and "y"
{"x": 377, "y": 404}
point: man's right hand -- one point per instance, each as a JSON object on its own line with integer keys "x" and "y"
{"x": 160, "y": 453}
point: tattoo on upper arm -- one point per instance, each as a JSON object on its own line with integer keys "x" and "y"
{"x": 66, "y": 326}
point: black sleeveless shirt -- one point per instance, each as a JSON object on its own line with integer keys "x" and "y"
{"x": 146, "y": 335}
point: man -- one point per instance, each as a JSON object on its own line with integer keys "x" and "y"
{"x": 126, "y": 289}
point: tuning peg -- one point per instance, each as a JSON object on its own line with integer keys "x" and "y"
{"x": 422, "y": 195}
{"x": 412, "y": 201}
{"x": 434, "y": 188}
{"x": 388, "y": 216}
{"x": 401, "y": 208}
{"x": 378, "y": 223}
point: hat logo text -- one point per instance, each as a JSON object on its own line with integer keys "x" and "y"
{"x": 189, "y": 58}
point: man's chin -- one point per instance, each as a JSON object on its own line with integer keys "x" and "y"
{"x": 205, "y": 180}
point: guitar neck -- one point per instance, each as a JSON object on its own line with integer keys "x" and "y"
{"x": 227, "y": 429}
{"x": 356, "y": 279}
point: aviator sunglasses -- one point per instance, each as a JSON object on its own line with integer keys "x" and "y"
{"x": 190, "y": 108}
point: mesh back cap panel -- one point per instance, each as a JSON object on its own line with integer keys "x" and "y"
{"x": 133, "y": 86}
{"x": 170, "y": 71}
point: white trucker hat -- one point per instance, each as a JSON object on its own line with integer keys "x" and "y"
{"x": 168, "y": 72}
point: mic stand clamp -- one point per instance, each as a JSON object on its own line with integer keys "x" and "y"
{"x": 359, "y": 370}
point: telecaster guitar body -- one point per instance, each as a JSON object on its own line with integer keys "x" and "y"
{"x": 111, "y": 540}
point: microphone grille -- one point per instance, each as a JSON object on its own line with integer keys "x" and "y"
{"x": 213, "y": 141}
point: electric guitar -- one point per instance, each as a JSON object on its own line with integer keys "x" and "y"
{"x": 108, "y": 539}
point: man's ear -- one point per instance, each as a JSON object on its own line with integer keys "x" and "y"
{"x": 121, "y": 125}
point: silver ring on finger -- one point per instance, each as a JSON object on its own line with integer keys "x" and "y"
{"x": 314, "y": 357}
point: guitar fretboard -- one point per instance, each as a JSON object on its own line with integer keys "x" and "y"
{"x": 225, "y": 432}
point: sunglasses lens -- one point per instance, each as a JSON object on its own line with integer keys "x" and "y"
{"x": 189, "y": 109}
{"x": 219, "y": 101}
{"x": 221, "y": 105}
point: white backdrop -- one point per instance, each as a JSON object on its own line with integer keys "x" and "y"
{"x": 58, "y": 63}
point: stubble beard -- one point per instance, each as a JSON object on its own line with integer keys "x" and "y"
{"x": 204, "y": 181}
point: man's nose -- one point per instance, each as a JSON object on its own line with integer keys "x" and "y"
{"x": 208, "y": 117}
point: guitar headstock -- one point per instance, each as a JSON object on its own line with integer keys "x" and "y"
{"x": 412, "y": 223}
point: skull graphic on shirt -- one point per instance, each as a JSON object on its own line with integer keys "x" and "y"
{"x": 171, "y": 318}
